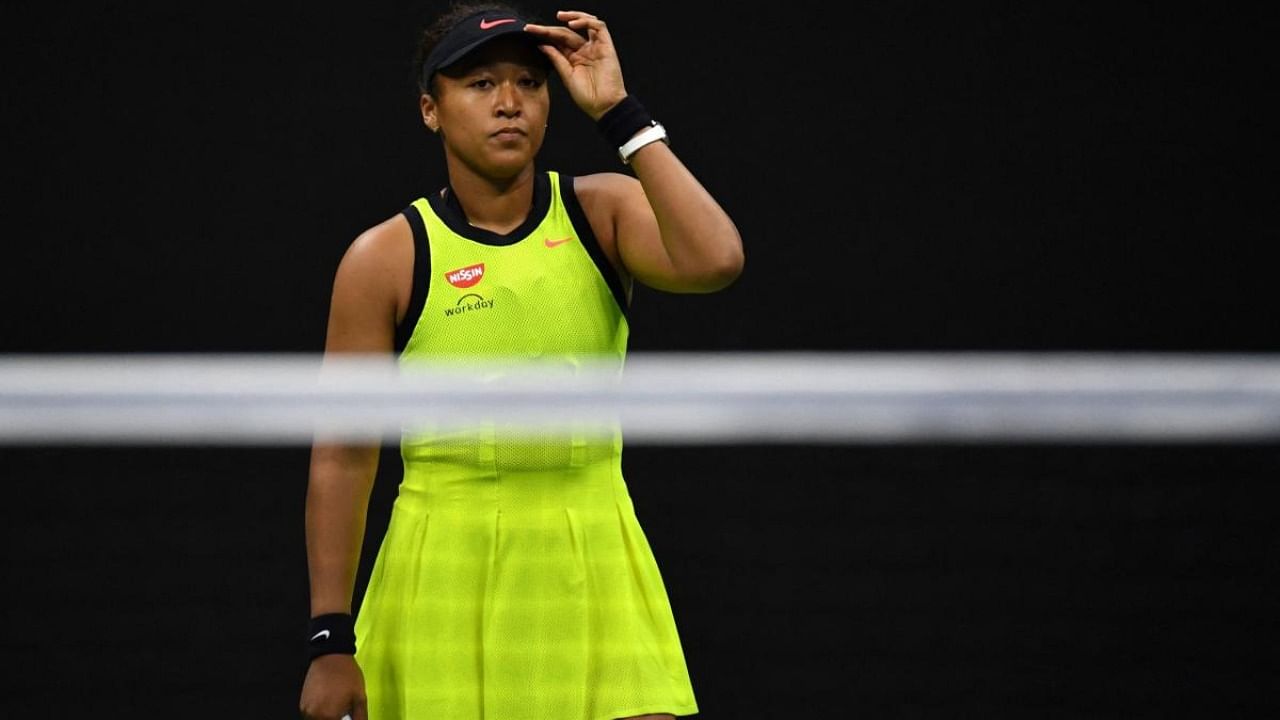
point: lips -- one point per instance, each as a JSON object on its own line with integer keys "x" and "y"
{"x": 509, "y": 133}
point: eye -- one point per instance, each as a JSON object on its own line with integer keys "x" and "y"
{"x": 481, "y": 83}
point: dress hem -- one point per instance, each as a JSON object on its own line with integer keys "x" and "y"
{"x": 678, "y": 711}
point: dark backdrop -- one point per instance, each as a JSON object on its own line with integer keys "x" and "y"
{"x": 906, "y": 176}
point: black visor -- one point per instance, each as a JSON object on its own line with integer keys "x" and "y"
{"x": 470, "y": 33}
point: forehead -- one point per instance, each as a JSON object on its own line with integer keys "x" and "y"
{"x": 515, "y": 49}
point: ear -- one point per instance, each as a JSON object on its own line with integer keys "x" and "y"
{"x": 429, "y": 118}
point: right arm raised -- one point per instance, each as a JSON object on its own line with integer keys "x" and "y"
{"x": 370, "y": 295}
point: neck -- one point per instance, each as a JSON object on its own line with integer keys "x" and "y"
{"x": 499, "y": 206}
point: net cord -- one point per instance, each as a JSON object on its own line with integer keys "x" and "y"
{"x": 656, "y": 398}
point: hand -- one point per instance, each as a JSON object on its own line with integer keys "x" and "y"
{"x": 588, "y": 66}
{"x": 334, "y": 687}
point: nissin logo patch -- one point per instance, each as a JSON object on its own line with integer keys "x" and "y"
{"x": 465, "y": 277}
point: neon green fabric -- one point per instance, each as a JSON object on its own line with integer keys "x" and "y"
{"x": 514, "y": 581}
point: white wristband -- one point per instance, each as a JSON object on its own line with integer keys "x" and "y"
{"x": 651, "y": 134}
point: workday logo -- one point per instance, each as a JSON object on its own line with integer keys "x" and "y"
{"x": 468, "y": 303}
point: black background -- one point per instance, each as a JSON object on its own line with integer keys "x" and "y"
{"x": 906, "y": 176}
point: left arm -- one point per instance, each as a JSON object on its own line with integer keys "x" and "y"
{"x": 669, "y": 232}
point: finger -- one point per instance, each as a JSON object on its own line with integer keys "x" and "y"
{"x": 572, "y": 14}
{"x": 587, "y": 23}
{"x": 555, "y": 32}
{"x": 579, "y": 20}
{"x": 575, "y": 18}
{"x": 561, "y": 64}
{"x": 595, "y": 28}
{"x": 561, "y": 36}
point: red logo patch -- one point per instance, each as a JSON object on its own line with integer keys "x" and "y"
{"x": 465, "y": 277}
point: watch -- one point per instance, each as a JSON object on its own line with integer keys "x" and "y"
{"x": 651, "y": 134}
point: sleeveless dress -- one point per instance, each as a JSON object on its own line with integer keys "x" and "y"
{"x": 514, "y": 581}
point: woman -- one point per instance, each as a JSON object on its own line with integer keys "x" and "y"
{"x": 514, "y": 580}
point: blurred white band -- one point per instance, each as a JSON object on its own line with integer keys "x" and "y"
{"x": 659, "y": 398}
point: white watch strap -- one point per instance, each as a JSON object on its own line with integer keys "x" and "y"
{"x": 651, "y": 134}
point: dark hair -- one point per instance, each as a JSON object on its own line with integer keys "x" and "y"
{"x": 458, "y": 10}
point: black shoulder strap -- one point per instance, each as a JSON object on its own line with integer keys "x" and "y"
{"x": 421, "y": 278}
{"x": 569, "y": 196}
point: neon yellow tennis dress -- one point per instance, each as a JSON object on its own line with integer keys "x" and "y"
{"x": 514, "y": 581}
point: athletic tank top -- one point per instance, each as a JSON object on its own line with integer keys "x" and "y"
{"x": 543, "y": 292}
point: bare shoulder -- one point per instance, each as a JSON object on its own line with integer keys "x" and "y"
{"x": 383, "y": 246}
{"x": 378, "y": 264}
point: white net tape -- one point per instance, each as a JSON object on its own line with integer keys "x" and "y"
{"x": 662, "y": 398}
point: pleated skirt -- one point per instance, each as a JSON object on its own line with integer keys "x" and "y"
{"x": 518, "y": 592}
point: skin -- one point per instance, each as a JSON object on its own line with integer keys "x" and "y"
{"x": 660, "y": 228}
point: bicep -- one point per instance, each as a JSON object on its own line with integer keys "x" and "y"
{"x": 639, "y": 239}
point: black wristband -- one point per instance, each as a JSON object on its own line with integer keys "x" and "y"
{"x": 623, "y": 120}
{"x": 331, "y": 633}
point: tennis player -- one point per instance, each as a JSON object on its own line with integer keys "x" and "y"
{"x": 514, "y": 581}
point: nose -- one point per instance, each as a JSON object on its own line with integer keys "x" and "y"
{"x": 507, "y": 101}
